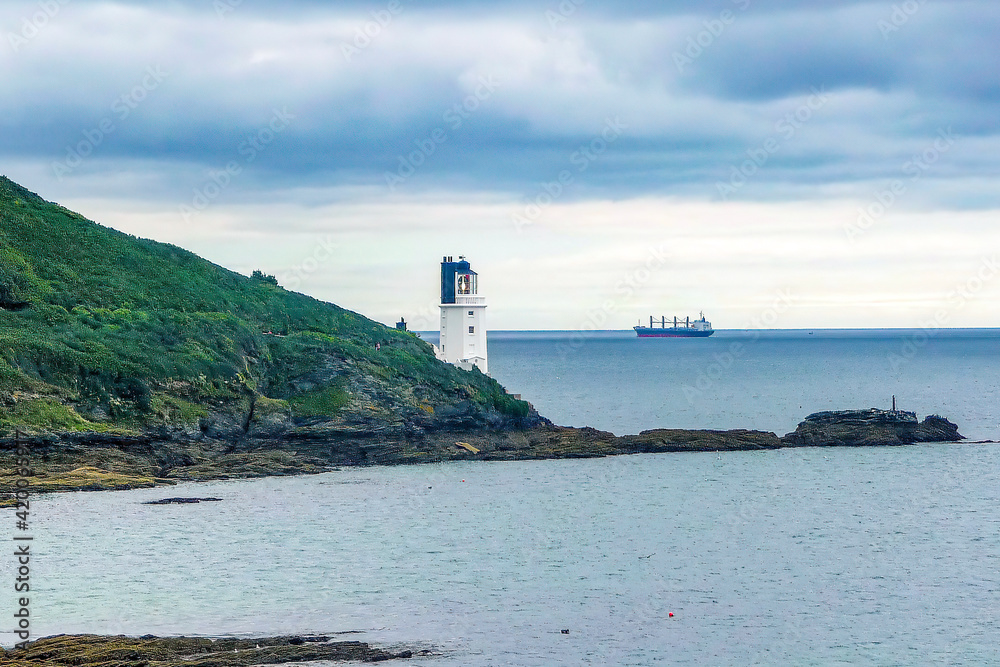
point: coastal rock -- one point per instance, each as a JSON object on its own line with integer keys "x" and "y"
{"x": 870, "y": 427}
{"x": 102, "y": 651}
{"x": 682, "y": 440}
{"x": 77, "y": 462}
{"x": 181, "y": 501}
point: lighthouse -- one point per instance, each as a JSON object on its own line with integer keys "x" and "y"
{"x": 463, "y": 316}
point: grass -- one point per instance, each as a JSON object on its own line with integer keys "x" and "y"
{"x": 174, "y": 409}
{"x": 326, "y": 401}
{"x": 45, "y": 414}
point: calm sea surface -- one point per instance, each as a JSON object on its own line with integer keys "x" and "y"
{"x": 763, "y": 380}
{"x": 883, "y": 556}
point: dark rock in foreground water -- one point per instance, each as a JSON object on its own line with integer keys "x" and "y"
{"x": 94, "y": 650}
{"x": 181, "y": 501}
{"x": 871, "y": 427}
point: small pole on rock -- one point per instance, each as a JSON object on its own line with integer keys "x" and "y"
{"x": 893, "y": 402}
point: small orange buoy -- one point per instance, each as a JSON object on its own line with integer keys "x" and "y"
{"x": 671, "y": 614}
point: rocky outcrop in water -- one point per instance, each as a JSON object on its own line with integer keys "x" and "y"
{"x": 182, "y": 501}
{"x": 680, "y": 440}
{"x": 870, "y": 427}
{"x": 149, "y": 651}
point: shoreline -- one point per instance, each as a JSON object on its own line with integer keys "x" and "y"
{"x": 101, "y": 462}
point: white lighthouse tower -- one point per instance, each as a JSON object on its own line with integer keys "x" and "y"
{"x": 463, "y": 316}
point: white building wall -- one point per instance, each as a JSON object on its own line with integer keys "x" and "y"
{"x": 463, "y": 333}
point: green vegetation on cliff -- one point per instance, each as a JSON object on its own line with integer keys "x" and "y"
{"x": 101, "y": 331}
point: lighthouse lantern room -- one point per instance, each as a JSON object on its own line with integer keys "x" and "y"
{"x": 463, "y": 316}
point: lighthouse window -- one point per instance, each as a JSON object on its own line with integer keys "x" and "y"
{"x": 472, "y": 329}
{"x": 470, "y": 312}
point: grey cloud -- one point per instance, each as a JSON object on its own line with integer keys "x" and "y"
{"x": 356, "y": 119}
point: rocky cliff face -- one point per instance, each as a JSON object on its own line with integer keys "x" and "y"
{"x": 870, "y": 427}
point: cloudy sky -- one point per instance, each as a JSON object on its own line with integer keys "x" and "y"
{"x": 775, "y": 163}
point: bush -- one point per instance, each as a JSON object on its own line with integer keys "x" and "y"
{"x": 260, "y": 276}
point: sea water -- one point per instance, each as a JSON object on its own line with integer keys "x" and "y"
{"x": 796, "y": 556}
{"x": 767, "y": 380}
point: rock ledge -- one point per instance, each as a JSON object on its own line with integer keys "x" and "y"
{"x": 151, "y": 651}
{"x": 870, "y": 427}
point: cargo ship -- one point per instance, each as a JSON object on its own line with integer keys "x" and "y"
{"x": 686, "y": 328}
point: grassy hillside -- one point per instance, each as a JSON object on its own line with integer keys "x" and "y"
{"x": 103, "y": 331}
